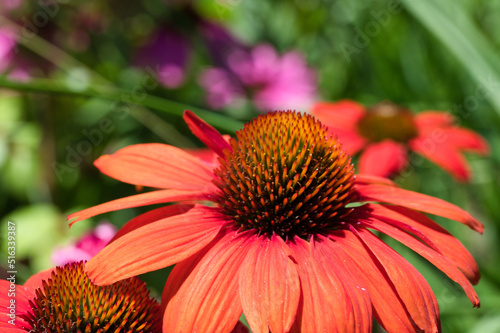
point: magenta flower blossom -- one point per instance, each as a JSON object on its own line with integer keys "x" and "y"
{"x": 7, "y": 44}
{"x": 8, "y": 5}
{"x": 86, "y": 247}
{"x": 11, "y": 65}
{"x": 261, "y": 74}
{"x": 166, "y": 55}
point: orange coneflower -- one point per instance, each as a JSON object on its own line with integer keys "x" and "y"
{"x": 286, "y": 239}
{"x": 384, "y": 133}
{"x": 64, "y": 300}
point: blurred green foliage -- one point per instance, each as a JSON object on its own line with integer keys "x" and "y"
{"x": 426, "y": 55}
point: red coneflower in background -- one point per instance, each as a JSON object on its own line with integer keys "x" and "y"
{"x": 385, "y": 132}
{"x": 64, "y": 300}
{"x": 285, "y": 240}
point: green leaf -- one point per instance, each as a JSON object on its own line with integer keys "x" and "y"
{"x": 452, "y": 25}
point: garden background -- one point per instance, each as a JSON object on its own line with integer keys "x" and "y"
{"x": 79, "y": 79}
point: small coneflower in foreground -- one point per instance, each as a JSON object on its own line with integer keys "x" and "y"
{"x": 286, "y": 239}
{"x": 384, "y": 133}
{"x": 64, "y": 300}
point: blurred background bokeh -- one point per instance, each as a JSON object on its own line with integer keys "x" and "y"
{"x": 79, "y": 79}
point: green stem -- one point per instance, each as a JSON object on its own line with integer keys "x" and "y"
{"x": 106, "y": 89}
{"x": 122, "y": 96}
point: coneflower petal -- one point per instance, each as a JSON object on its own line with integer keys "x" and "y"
{"x": 343, "y": 113}
{"x": 359, "y": 312}
{"x": 22, "y": 297}
{"x": 447, "y": 157}
{"x": 156, "y": 245}
{"x": 437, "y": 259}
{"x": 206, "y": 133}
{"x": 150, "y": 217}
{"x": 269, "y": 285}
{"x": 441, "y": 239}
{"x": 201, "y": 293}
{"x": 466, "y": 140}
{"x": 35, "y": 281}
{"x": 328, "y": 297}
{"x": 388, "y": 307}
{"x": 411, "y": 286}
{"x": 8, "y": 328}
{"x": 428, "y": 120}
{"x": 418, "y": 201}
{"x": 384, "y": 158}
{"x": 342, "y": 117}
{"x": 157, "y": 165}
{"x": 143, "y": 199}
{"x": 364, "y": 179}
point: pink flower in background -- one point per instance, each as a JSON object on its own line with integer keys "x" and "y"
{"x": 15, "y": 66}
{"x": 7, "y": 44}
{"x": 166, "y": 55}
{"x": 270, "y": 80}
{"x": 221, "y": 87}
{"x": 9, "y": 5}
{"x": 86, "y": 247}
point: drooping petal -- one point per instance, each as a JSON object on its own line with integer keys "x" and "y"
{"x": 442, "y": 240}
{"x": 431, "y": 119}
{"x": 447, "y": 157}
{"x": 437, "y": 259}
{"x": 206, "y": 133}
{"x": 143, "y": 199}
{"x": 388, "y": 307}
{"x": 157, "y": 165}
{"x": 411, "y": 286}
{"x": 201, "y": 293}
{"x": 384, "y": 159}
{"x": 156, "y": 245}
{"x": 329, "y": 301}
{"x": 418, "y": 201}
{"x": 151, "y": 216}
{"x": 269, "y": 285}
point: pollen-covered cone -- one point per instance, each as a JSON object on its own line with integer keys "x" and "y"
{"x": 280, "y": 233}
{"x": 64, "y": 300}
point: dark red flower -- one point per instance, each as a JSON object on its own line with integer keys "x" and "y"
{"x": 385, "y": 132}
{"x": 280, "y": 233}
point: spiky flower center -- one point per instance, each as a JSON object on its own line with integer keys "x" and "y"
{"x": 388, "y": 121}
{"x": 69, "y": 302}
{"x": 285, "y": 175}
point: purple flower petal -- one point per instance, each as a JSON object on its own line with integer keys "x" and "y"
{"x": 166, "y": 56}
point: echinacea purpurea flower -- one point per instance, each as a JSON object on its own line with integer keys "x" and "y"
{"x": 385, "y": 133}
{"x": 64, "y": 300}
{"x": 286, "y": 238}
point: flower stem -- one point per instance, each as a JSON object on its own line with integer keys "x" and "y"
{"x": 105, "y": 88}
